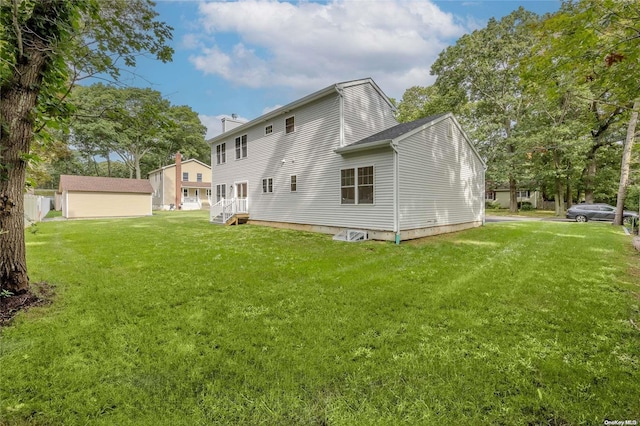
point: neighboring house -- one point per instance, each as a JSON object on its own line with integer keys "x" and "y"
{"x": 90, "y": 196}
{"x": 337, "y": 160}
{"x": 501, "y": 196}
{"x": 184, "y": 184}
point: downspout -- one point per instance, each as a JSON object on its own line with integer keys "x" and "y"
{"x": 484, "y": 188}
{"x": 341, "y": 112}
{"x": 396, "y": 190}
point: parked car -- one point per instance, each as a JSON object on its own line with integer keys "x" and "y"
{"x": 585, "y": 212}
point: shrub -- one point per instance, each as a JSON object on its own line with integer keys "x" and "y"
{"x": 491, "y": 205}
{"x": 525, "y": 206}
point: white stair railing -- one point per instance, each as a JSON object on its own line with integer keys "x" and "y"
{"x": 216, "y": 209}
{"x": 226, "y": 208}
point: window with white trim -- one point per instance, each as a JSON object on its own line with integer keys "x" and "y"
{"x": 221, "y": 192}
{"x": 267, "y": 185}
{"x": 185, "y": 176}
{"x": 293, "y": 183}
{"x": 221, "y": 153}
{"x": 356, "y": 185}
{"x": 268, "y": 129}
{"x": 185, "y": 192}
{"x": 241, "y": 147}
{"x": 290, "y": 125}
{"x": 198, "y": 177}
{"x": 365, "y": 185}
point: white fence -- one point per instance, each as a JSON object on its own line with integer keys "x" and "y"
{"x": 36, "y": 208}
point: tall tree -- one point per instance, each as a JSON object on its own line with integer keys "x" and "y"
{"x": 482, "y": 70}
{"x": 598, "y": 42}
{"x": 45, "y": 46}
{"x": 134, "y": 124}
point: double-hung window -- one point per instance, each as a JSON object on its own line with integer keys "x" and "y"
{"x": 356, "y": 185}
{"x": 241, "y": 147}
{"x": 198, "y": 177}
{"x": 290, "y": 125}
{"x": 267, "y": 185}
{"x": 294, "y": 183}
{"x": 221, "y": 153}
{"x": 185, "y": 176}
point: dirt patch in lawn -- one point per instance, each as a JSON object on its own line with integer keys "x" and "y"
{"x": 39, "y": 294}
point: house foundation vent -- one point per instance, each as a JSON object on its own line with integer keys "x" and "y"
{"x": 351, "y": 235}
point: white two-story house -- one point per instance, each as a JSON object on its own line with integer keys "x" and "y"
{"x": 337, "y": 159}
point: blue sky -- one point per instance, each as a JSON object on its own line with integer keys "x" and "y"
{"x": 251, "y": 56}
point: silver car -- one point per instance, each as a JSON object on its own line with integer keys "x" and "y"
{"x": 585, "y": 212}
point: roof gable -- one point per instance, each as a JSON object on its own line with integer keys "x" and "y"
{"x": 397, "y": 130}
{"x": 168, "y": 166}
{"x": 334, "y": 88}
{"x": 104, "y": 184}
{"x": 401, "y": 131}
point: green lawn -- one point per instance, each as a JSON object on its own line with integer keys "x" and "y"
{"x": 169, "y": 320}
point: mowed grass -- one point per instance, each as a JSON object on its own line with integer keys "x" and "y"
{"x": 169, "y": 320}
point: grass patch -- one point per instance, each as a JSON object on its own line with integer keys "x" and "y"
{"x": 53, "y": 213}
{"x": 171, "y": 320}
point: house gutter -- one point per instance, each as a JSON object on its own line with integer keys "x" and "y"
{"x": 364, "y": 147}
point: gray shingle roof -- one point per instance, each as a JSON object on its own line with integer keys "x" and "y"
{"x": 397, "y": 130}
{"x": 104, "y": 184}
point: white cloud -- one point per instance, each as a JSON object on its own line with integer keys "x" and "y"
{"x": 268, "y": 109}
{"x": 309, "y": 45}
{"x": 213, "y": 124}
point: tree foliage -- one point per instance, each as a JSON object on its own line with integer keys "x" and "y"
{"x": 481, "y": 75}
{"x": 45, "y": 47}
{"x": 546, "y": 99}
{"x": 133, "y": 123}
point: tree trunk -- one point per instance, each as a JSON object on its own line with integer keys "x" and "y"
{"x": 17, "y": 101}
{"x": 559, "y": 197}
{"x": 513, "y": 195}
{"x": 569, "y": 197}
{"x": 559, "y": 188}
{"x": 626, "y": 160}
{"x": 590, "y": 179}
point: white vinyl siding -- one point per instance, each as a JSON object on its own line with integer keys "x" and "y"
{"x": 365, "y": 113}
{"x": 308, "y": 153}
{"x": 440, "y": 179}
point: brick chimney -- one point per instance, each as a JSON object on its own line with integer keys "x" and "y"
{"x": 178, "y": 179}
